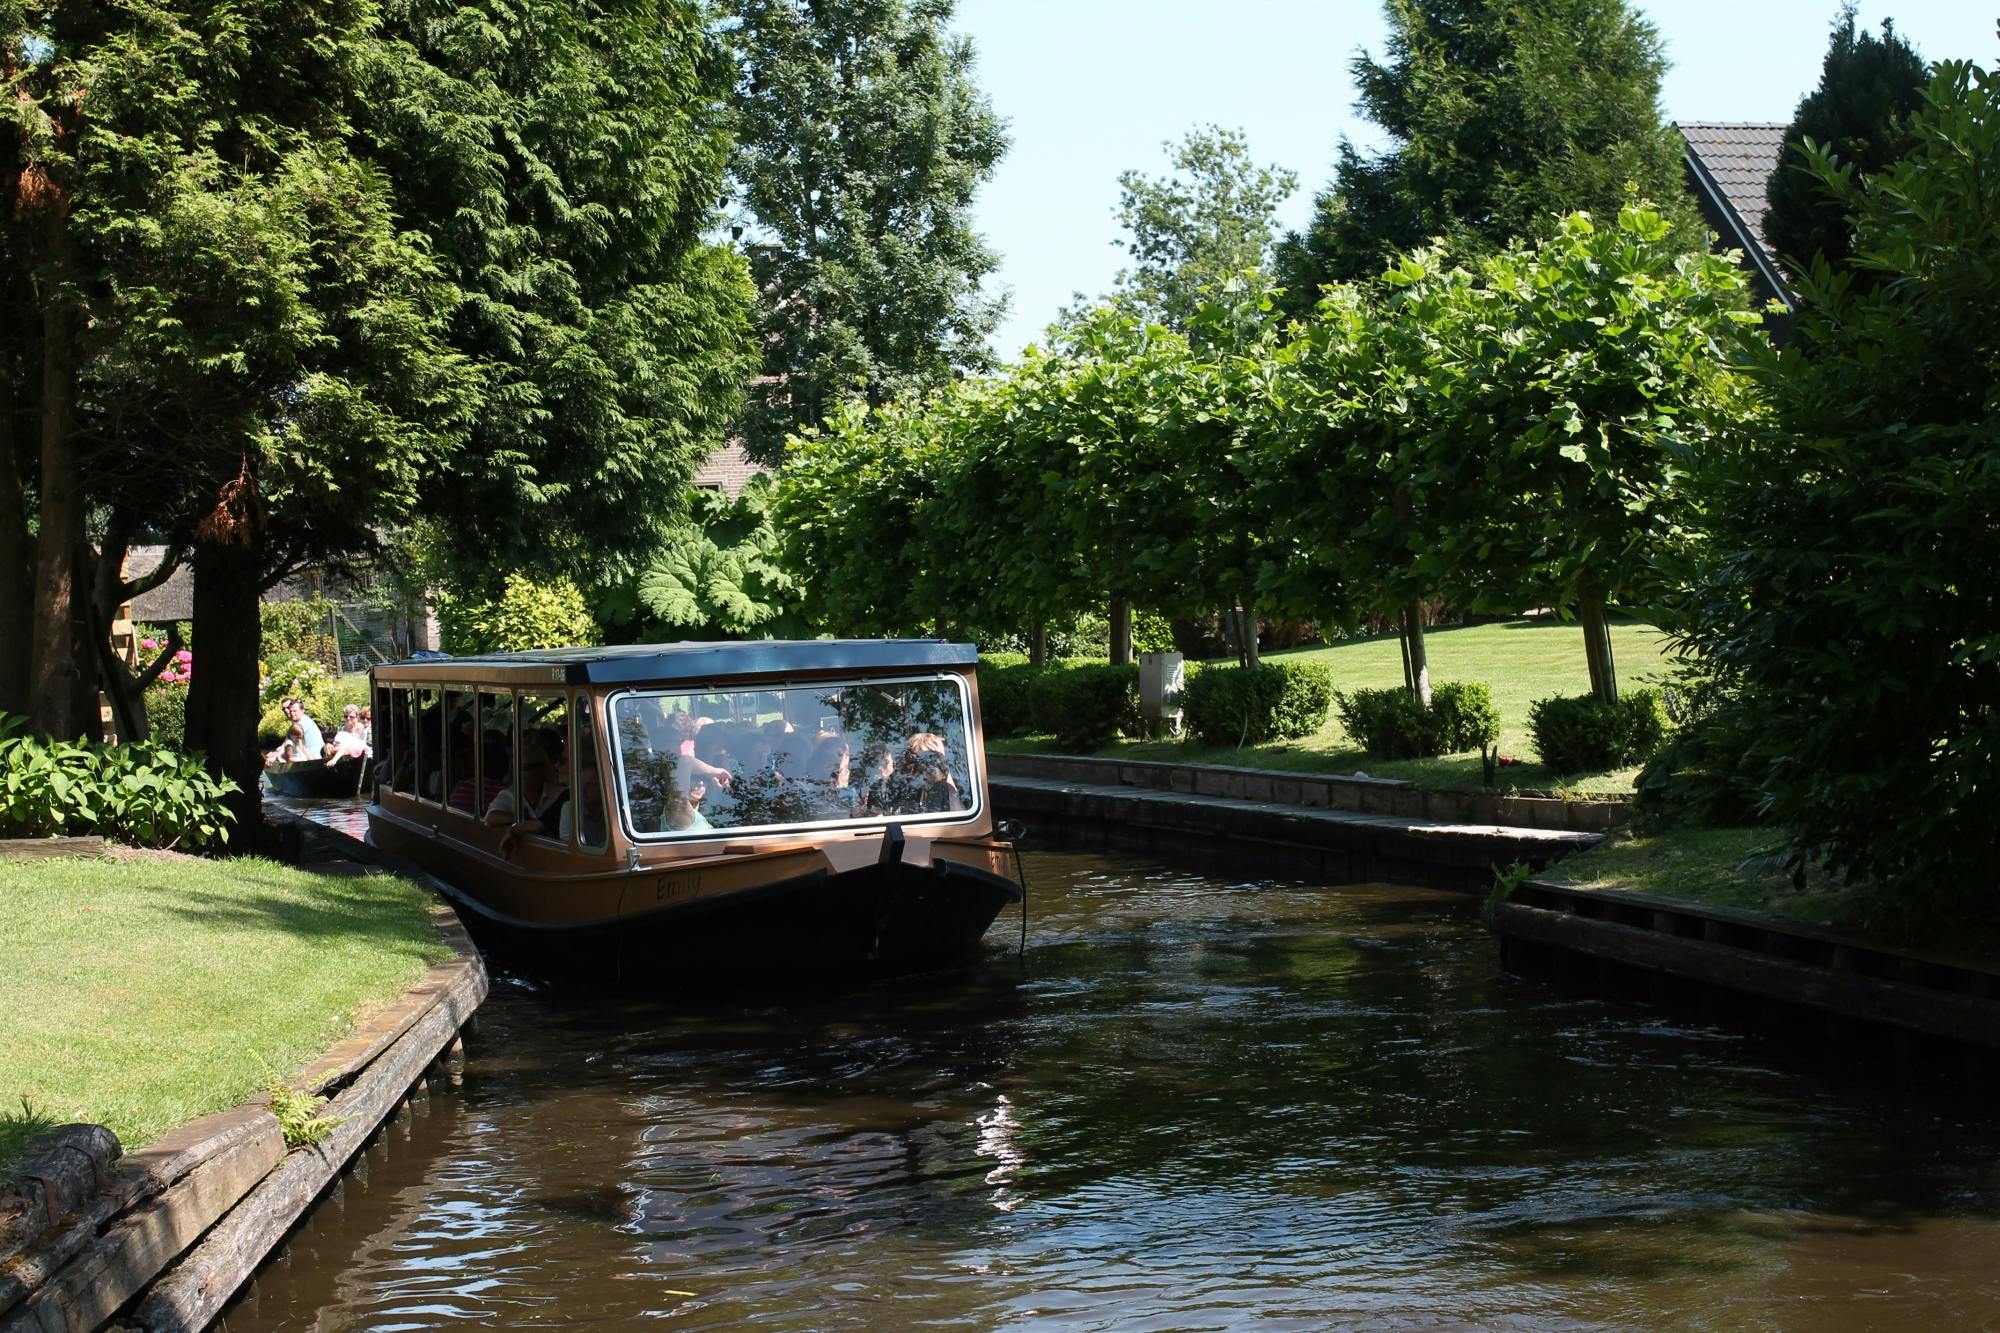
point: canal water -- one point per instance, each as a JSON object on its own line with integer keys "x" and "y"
{"x": 1193, "y": 1103}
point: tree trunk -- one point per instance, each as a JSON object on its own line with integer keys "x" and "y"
{"x": 17, "y": 557}
{"x": 1247, "y": 622}
{"x": 52, "y": 674}
{"x": 1038, "y": 644}
{"x": 1419, "y": 664}
{"x": 1596, "y": 641}
{"x": 1121, "y": 631}
{"x": 86, "y": 701}
{"x": 222, "y": 697}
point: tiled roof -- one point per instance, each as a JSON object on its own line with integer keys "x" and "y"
{"x": 728, "y": 469}
{"x": 172, "y": 600}
{"x": 1740, "y": 158}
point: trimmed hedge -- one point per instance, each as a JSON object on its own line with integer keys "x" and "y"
{"x": 1389, "y": 724}
{"x": 1233, "y": 706}
{"x": 1586, "y": 735}
{"x": 166, "y": 713}
{"x": 1087, "y": 705}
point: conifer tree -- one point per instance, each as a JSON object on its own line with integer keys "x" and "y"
{"x": 1502, "y": 116}
{"x": 1868, "y": 88}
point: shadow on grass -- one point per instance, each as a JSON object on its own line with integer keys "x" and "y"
{"x": 340, "y": 907}
{"x": 20, "y": 1127}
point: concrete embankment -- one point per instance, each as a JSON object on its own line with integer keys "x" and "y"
{"x": 1181, "y": 811}
{"x": 161, "y": 1237}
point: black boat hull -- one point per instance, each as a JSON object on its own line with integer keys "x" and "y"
{"x": 317, "y": 778}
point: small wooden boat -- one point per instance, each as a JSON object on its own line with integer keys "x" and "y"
{"x": 317, "y": 778}
{"x": 771, "y": 808}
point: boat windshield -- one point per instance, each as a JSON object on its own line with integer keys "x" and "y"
{"x": 861, "y": 751}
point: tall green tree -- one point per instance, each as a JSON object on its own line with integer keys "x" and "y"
{"x": 1200, "y": 228}
{"x": 1501, "y": 116}
{"x": 1868, "y": 89}
{"x": 861, "y": 140}
{"x": 564, "y": 165}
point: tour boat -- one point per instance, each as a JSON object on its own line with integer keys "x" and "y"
{"x": 688, "y": 809}
{"x": 316, "y": 777}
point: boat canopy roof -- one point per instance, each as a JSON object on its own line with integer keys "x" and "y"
{"x": 655, "y": 663}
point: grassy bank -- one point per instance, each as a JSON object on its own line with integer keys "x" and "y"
{"x": 1521, "y": 661}
{"x": 144, "y": 992}
{"x": 1736, "y": 868}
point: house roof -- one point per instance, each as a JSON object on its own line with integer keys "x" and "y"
{"x": 1730, "y": 164}
{"x": 728, "y": 470}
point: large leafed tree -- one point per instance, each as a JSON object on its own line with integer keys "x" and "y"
{"x": 861, "y": 139}
{"x": 1501, "y": 116}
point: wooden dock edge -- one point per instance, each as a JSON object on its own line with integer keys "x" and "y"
{"x": 182, "y": 1223}
{"x": 1804, "y": 968}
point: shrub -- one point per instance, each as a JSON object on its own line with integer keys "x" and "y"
{"x": 140, "y": 793}
{"x": 1006, "y": 685}
{"x": 1584, "y": 734}
{"x": 272, "y": 727}
{"x": 528, "y": 613}
{"x": 1465, "y": 716}
{"x": 1231, "y": 706}
{"x": 300, "y": 629}
{"x": 1388, "y": 724}
{"x": 166, "y": 713}
{"x": 287, "y": 674}
{"x": 1087, "y": 705}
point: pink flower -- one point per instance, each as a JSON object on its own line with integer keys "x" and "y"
{"x": 149, "y": 644}
{"x": 183, "y": 656}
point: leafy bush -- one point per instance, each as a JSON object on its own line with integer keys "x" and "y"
{"x": 1006, "y": 686}
{"x": 334, "y": 696}
{"x": 140, "y": 793}
{"x": 1389, "y": 724}
{"x": 1230, "y": 706}
{"x": 1706, "y": 775}
{"x": 288, "y": 675}
{"x": 272, "y": 727}
{"x": 300, "y": 629}
{"x": 1087, "y": 705}
{"x": 1586, "y": 735}
{"x": 528, "y": 613}
{"x": 166, "y": 713}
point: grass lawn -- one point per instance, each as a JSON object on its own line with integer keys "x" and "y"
{"x": 144, "y": 992}
{"x": 1521, "y": 661}
{"x": 1733, "y": 868}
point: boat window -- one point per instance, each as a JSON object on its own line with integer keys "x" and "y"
{"x": 430, "y": 745}
{"x": 857, "y": 752}
{"x": 461, "y": 758}
{"x": 496, "y": 749}
{"x": 585, "y": 811}
{"x": 544, "y": 750}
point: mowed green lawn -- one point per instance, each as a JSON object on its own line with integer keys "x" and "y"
{"x": 1521, "y": 661}
{"x": 143, "y": 993}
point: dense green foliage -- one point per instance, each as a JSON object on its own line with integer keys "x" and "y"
{"x": 861, "y": 139}
{"x": 715, "y": 575}
{"x": 1868, "y": 88}
{"x": 1844, "y": 588}
{"x": 527, "y": 614}
{"x": 1249, "y": 705}
{"x": 140, "y": 793}
{"x": 1585, "y": 734}
{"x": 300, "y": 628}
{"x": 1391, "y": 724}
{"x": 1085, "y": 704}
{"x": 1501, "y": 115}
{"x": 166, "y": 714}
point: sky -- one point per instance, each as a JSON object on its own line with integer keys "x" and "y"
{"x": 1091, "y": 88}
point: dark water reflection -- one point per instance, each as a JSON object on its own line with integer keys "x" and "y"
{"x": 1200, "y": 1105}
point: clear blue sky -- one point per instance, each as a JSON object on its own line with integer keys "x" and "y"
{"x": 1092, "y": 87}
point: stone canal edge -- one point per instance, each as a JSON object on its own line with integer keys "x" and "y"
{"x": 182, "y": 1223}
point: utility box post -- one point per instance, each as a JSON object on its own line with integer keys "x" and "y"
{"x": 1161, "y": 679}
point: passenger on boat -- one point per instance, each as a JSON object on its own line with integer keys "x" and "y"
{"x": 878, "y": 772}
{"x": 349, "y": 742}
{"x": 686, "y": 732}
{"x": 295, "y": 713}
{"x": 493, "y": 782}
{"x": 583, "y": 813}
{"x": 290, "y": 750}
{"x": 923, "y": 784}
{"x": 542, "y": 814}
{"x": 829, "y": 778}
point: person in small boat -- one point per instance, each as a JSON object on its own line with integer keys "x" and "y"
{"x": 290, "y": 750}
{"x": 311, "y": 744}
{"x": 349, "y": 742}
